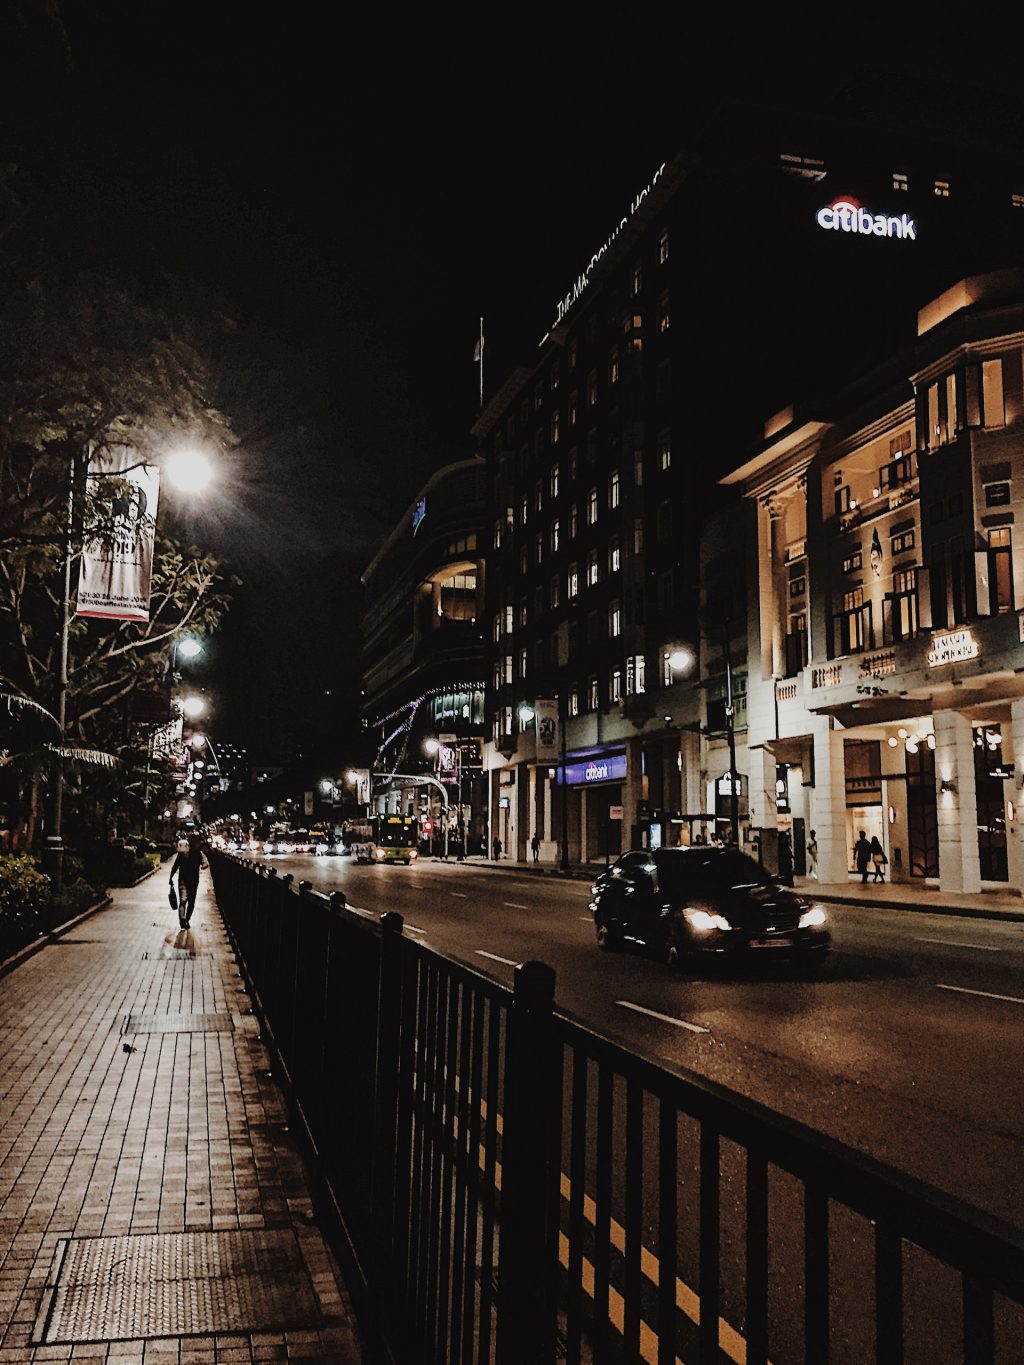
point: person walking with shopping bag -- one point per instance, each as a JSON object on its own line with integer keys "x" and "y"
{"x": 878, "y": 859}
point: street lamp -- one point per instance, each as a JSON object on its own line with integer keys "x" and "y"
{"x": 192, "y": 706}
{"x": 189, "y": 470}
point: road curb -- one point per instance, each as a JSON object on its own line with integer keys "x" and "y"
{"x": 30, "y": 949}
{"x": 955, "y": 911}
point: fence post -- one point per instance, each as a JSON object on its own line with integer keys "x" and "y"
{"x": 385, "y": 1096}
{"x": 526, "y": 1271}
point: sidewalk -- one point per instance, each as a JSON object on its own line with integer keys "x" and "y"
{"x": 887, "y": 895}
{"x": 153, "y": 1207}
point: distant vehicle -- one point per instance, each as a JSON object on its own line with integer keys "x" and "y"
{"x": 688, "y": 904}
{"x": 301, "y": 840}
{"x": 385, "y": 839}
{"x": 324, "y": 843}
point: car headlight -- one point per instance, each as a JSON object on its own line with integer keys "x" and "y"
{"x": 813, "y": 918}
{"x": 704, "y": 922}
{"x": 378, "y": 853}
{"x": 414, "y": 853}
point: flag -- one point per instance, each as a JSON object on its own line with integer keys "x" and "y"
{"x": 548, "y": 737}
{"x": 478, "y": 349}
{"x": 114, "y": 578}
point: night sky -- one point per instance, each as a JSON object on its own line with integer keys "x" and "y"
{"x": 356, "y": 198}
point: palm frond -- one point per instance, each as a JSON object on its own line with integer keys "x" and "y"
{"x": 14, "y": 702}
{"x": 77, "y": 754}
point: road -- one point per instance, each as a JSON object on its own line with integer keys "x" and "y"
{"x": 908, "y": 1049}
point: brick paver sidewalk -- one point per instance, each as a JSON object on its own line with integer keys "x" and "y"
{"x": 152, "y": 1204}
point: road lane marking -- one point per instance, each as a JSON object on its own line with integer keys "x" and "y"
{"x": 515, "y": 905}
{"x": 413, "y": 930}
{"x": 953, "y": 943}
{"x": 989, "y": 995}
{"x": 667, "y": 1018}
{"x": 461, "y": 895}
{"x": 587, "y": 919}
{"x": 495, "y": 958}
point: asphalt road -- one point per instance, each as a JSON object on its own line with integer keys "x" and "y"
{"x": 908, "y": 1049}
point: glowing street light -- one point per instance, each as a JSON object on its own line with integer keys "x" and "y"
{"x": 193, "y": 706}
{"x": 527, "y": 713}
{"x": 189, "y": 470}
{"x": 189, "y": 648}
{"x": 679, "y": 660}
{"x": 197, "y": 741}
{"x": 431, "y": 746}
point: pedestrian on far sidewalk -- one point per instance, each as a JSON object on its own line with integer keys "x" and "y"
{"x": 535, "y": 847}
{"x": 878, "y": 859}
{"x": 188, "y": 865}
{"x": 497, "y": 848}
{"x": 812, "y": 855}
{"x": 862, "y": 857}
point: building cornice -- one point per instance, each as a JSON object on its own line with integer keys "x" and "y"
{"x": 785, "y": 458}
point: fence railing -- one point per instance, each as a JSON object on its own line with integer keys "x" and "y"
{"x": 505, "y": 1185}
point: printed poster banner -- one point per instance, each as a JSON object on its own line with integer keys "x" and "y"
{"x": 116, "y": 572}
{"x": 546, "y": 711}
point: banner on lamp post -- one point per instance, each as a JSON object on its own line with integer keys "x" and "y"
{"x": 117, "y": 568}
{"x": 448, "y": 760}
{"x": 548, "y": 739}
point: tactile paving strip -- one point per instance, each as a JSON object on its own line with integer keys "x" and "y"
{"x": 176, "y": 1284}
{"x": 178, "y": 1023}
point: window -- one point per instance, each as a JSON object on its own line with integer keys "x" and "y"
{"x": 524, "y": 611}
{"x": 997, "y": 494}
{"x": 524, "y": 510}
{"x": 956, "y": 504}
{"x": 509, "y": 619}
{"x": 614, "y": 555}
{"x": 574, "y": 700}
{"x": 1000, "y": 571}
{"x": 615, "y": 685}
{"x": 664, "y": 316}
{"x": 553, "y": 484}
{"x": 497, "y": 676}
{"x": 572, "y": 583}
{"x": 574, "y": 521}
{"x": 591, "y": 449}
{"x": 638, "y": 536}
{"x": 632, "y": 330}
{"x": 903, "y": 541}
{"x": 899, "y": 180}
{"x": 538, "y": 494}
{"x": 936, "y": 513}
{"x": 638, "y": 468}
{"x": 636, "y": 674}
{"x": 663, "y": 246}
{"x": 555, "y": 377}
{"x": 555, "y": 427}
{"x": 665, "y": 519}
{"x": 798, "y": 585}
{"x": 538, "y": 599}
{"x": 665, "y": 450}
{"x": 613, "y": 365}
{"x": 554, "y": 537}
{"x": 1017, "y": 201}
{"x": 538, "y": 656}
{"x": 508, "y": 670}
{"x": 613, "y": 488}
{"x": 853, "y": 562}
{"x": 508, "y": 720}
{"x": 902, "y": 606}
{"x": 496, "y": 628}
{"x": 592, "y": 388}
{"x": 636, "y": 279}
{"x": 524, "y": 662}
{"x": 574, "y": 408}
{"x": 524, "y": 561}
{"x": 573, "y": 464}
{"x": 592, "y": 507}
{"x": 555, "y": 595}
{"x": 992, "y": 393}
{"x": 951, "y": 421}
{"x": 941, "y": 189}
{"x": 497, "y": 534}
{"x": 841, "y": 500}
{"x": 538, "y": 397}
{"x": 592, "y": 570}
{"x": 538, "y": 548}
{"x": 593, "y": 695}
{"x": 571, "y": 353}
{"x": 615, "y": 618}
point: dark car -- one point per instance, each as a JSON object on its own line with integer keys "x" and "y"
{"x": 691, "y": 903}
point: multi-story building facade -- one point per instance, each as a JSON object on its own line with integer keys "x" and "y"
{"x": 603, "y": 458}
{"x": 423, "y": 692}
{"x": 886, "y": 664}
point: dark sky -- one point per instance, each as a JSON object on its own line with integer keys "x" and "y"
{"x": 358, "y": 195}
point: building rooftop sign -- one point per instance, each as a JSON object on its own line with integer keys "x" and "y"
{"x": 583, "y": 279}
{"x": 952, "y": 648}
{"x": 418, "y": 513}
{"x": 846, "y": 215}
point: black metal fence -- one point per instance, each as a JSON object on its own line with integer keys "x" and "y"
{"x": 507, "y": 1186}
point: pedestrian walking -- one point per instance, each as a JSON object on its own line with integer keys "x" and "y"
{"x": 878, "y": 859}
{"x": 497, "y": 848}
{"x": 862, "y": 856}
{"x": 785, "y": 858}
{"x": 812, "y": 855}
{"x": 535, "y": 847}
{"x": 187, "y": 864}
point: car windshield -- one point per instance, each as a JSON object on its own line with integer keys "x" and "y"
{"x": 680, "y": 872}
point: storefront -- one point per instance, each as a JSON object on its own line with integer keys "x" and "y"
{"x": 593, "y": 784}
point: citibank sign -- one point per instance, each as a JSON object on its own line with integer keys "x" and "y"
{"x": 846, "y": 215}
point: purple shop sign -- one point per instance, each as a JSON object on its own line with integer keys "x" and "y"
{"x": 610, "y": 768}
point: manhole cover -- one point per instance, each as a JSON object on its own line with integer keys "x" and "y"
{"x": 178, "y": 1023}
{"x": 175, "y": 1284}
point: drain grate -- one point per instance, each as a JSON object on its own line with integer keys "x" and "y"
{"x": 171, "y": 955}
{"x": 175, "y": 1284}
{"x": 177, "y": 1023}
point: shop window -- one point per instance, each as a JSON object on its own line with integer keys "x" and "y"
{"x": 997, "y": 494}
{"x": 989, "y": 775}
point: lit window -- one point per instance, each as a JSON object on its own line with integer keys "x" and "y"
{"x": 554, "y": 481}
{"x": 524, "y": 561}
{"x": 663, "y": 247}
{"x": 524, "y": 510}
{"x": 555, "y": 427}
{"x": 555, "y": 377}
{"x": 1017, "y": 200}
{"x": 906, "y": 540}
{"x": 497, "y": 676}
{"x": 615, "y": 619}
{"x": 524, "y": 662}
{"x": 613, "y": 365}
{"x": 638, "y": 468}
{"x": 554, "y": 537}
{"x": 899, "y": 180}
{"x": 592, "y": 570}
{"x": 508, "y": 721}
{"x": 941, "y": 189}
{"x": 613, "y": 488}
{"x": 573, "y": 408}
{"x": 664, "y": 450}
{"x": 574, "y": 701}
{"x": 592, "y": 388}
{"x": 573, "y": 464}
{"x": 555, "y": 593}
{"x": 524, "y": 612}
{"x": 664, "y": 317}
{"x": 538, "y": 494}
{"x": 574, "y": 521}
{"x": 538, "y": 396}
{"x": 638, "y": 536}
{"x": 592, "y": 507}
{"x": 572, "y": 583}
{"x": 615, "y": 685}
{"x": 637, "y": 279}
{"x": 636, "y": 674}
{"x": 538, "y": 548}
{"x": 593, "y": 698}
{"x": 509, "y": 621}
{"x": 496, "y": 632}
{"x": 497, "y": 534}
{"x": 992, "y": 393}
{"x": 614, "y": 555}
{"x": 508, "y": 670}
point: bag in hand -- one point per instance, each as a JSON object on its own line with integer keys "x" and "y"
{"x": 172, "y": 896}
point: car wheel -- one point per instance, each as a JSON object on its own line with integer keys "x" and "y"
{"x": 609, "y": 938}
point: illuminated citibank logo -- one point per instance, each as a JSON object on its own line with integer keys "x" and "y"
{"x": 846, "y": 215}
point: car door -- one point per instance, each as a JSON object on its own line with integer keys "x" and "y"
{"x": 637, "y": 886}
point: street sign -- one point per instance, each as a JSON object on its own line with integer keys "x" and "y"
{"x": 614, "y": 812}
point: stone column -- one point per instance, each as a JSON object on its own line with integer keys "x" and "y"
{"x": 632, "y": 789}
{"x": 692, "y": 793}
{"x": 761, "y": 788}
{"x": 956, "y": 810}
{"x": 894, "y": 790}
{"x": 1013, "y": 752}
{"x": 584, "y": 850}
{"x": 767, "y": 520}
{"x": 532, "y": 807}
{"x": 828, "y": 806}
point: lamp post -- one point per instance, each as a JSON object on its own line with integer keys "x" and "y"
{"x": 730, "y": 729}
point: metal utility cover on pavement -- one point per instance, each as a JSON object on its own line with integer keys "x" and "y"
{"x": 178, "y": 1023}
{"x": 175, "y": 1284}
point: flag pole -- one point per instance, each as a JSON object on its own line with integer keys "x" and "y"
{"x": 481, "y": 364}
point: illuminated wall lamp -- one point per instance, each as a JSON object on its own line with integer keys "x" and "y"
{"x": 1009, "y": 812}
{"x": 892, "y": 815}
{"x": 947, "y": 786}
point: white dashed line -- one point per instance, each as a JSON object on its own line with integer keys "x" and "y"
{"x": 952, "y": 943}
{"x": 495, "y": 958}
{"x": 666, "y": 1018}
{"x": 989, "y": 995}
{"x": 461, "y": 895}
{"x": 515, "y": 905}
{"x": 587, "y": 919}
